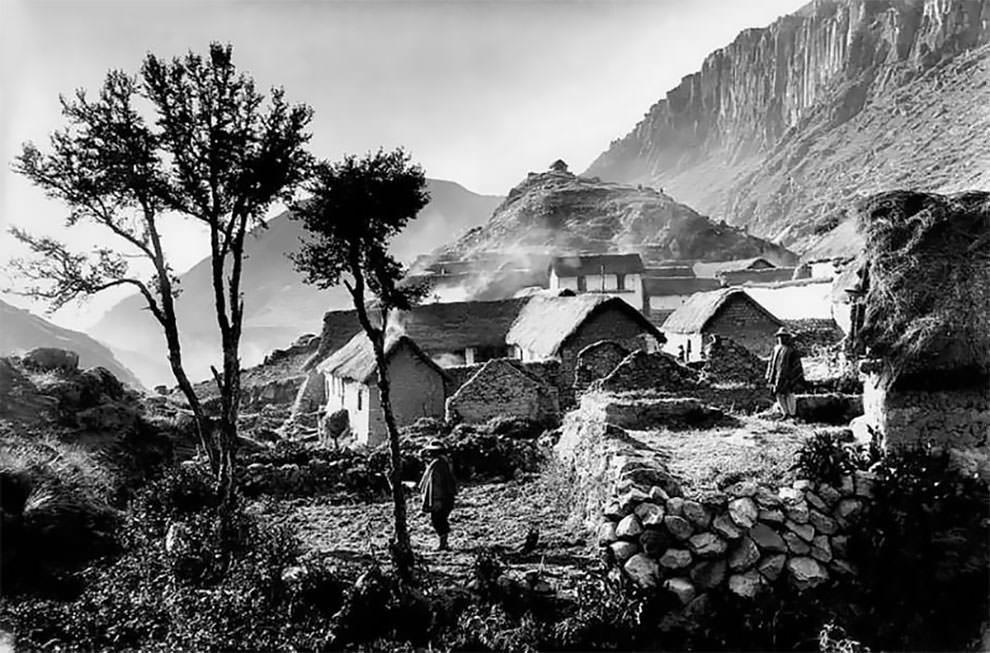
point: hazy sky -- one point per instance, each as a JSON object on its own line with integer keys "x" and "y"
{"x": 480, "y": 92}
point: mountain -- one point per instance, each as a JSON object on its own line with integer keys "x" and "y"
{"x": 787, "y": 126}
{"x": 21, "y": 331}
{"x": 559, "y": 212}
{"x": 278, "y": 305}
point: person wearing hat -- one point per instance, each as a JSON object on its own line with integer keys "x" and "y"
{"x": 438, "y": 489}
{"x": 785, "y": 372}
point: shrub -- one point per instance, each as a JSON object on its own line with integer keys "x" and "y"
{"x": 924, "y": 559}
{"x": 825, "y": 458}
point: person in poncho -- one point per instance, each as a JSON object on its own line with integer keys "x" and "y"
{"x": 438, "y": 489}
{"x": 785, "y": 372}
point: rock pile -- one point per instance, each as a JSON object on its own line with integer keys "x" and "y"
{"x": 746, "y": 541}
{"x": 642, "y": 371}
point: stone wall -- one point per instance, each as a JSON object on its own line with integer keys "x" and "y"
{"x": 747, "y": 540}
{"x": 501, "y": 389}
{"x": 813, "y": 337}
{"x": 742, "y": 322}
{"x": 958, "y": 417}
{"x": 596, "y": 361}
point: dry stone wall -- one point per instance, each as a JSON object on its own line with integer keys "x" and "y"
{"x": 747, "y": 540}
{"x": 658, "y": 371}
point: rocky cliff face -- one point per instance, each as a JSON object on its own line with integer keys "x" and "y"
{"x": 781, "y": 128}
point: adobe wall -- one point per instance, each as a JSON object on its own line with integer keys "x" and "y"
{"x": 547, "y": 371}
{"x": 747, "y": 326}
{"x": 749, "y": 539}
{"x": 500, "y": 389}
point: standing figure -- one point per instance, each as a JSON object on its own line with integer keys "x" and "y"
{"x": 785, "y": 372}
{"x": 438, "y": 488}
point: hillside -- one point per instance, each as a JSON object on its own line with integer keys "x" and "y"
{"x": 556, "y": 211}
{"x": 279, "y": 306}
{"x": 785, "y": 127}
{"x": 22, "y": 331}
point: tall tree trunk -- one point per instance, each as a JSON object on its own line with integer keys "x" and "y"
{"x": 402, "y": 556}
{"x": 402, "y": 546}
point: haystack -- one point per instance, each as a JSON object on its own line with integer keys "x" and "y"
{"x": 927, "y": 278}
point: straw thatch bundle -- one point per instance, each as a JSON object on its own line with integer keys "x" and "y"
{"x": 928, "y": 280}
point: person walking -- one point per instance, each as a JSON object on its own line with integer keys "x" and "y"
{"x": 785, "y": 372}
{"x": 438, "y": 488}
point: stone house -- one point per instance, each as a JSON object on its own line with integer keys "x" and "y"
{"x": 561, "y": 326}
{"x": 730, "y": 313}
{"x": 616, "y": 275}
{"x": 351, "y": 375}
{"x": 502, "y": 388}
{"x": 664, "y": 294}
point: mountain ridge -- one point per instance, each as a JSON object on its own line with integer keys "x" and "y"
{"x": 279, "y": 306}
{"x": 789, "y": 124}
{"x": 23, "y": 330}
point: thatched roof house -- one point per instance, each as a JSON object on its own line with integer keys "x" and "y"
{"x": 546, "y": 323}
{"x": 697, "y": 313}
{"x": 728, "y": 312}
{"x": 456, "y": 326}
{"x": 351, "y": 382}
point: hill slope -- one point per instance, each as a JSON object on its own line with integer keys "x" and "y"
{"x": 782, "y": 128}
{"x": 556, "y": 211}
{"x": 279, "y": 306}
{"x": 21, "y": 330}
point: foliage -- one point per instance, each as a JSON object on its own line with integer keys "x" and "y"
{"x": 356, "y": 207}
{"x": 190, "y": 137}
{"x": 825, "y": 458}
{"x": 222, "y": 586}
{"x": 925, "y": 558}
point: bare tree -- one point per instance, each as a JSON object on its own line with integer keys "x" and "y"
{"x": 189, "y": 138}
{"x": 357, "y": 207}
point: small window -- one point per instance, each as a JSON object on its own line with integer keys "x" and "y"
{"x": 620, "y": 281}
{"x": 360, "y": 394}
{"x": 582, "y": 284}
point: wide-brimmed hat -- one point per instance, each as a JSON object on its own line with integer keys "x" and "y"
{"x": 435, "y": 445}
{"x": 783, "y": 332}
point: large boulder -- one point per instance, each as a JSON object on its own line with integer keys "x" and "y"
{"x": 51, "y": 358}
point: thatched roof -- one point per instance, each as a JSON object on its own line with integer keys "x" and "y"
{"x": 664, "y": 286}
{"x": 455, "y": 326}
{"x": 700, "y": 308}
{"x": 927, "y": 280}
{"x": 711, "y": 270}
{"x": 588, "y": 264}
{"x": 546, "y": 322}
{"x": 355, "y": 361}
{"x": 338, "y": 328}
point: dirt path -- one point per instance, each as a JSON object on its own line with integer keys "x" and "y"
{"x": 494, "y": 514}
